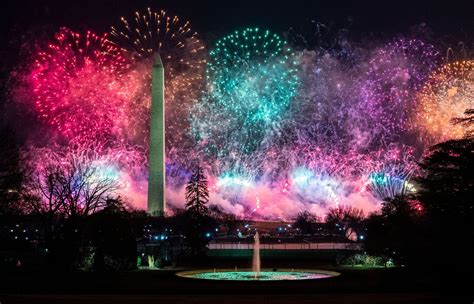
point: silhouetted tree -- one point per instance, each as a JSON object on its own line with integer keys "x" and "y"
{"x": 67, "y": 182}
{"x": 196, "y": 227}
{"x": 227, "y": 220}
{"x": 110, "y": 233}
{"x": 197, "y": 194}
{"x": 230, "y": 222}
{"x": 62, "y": 193}
{"x": 305, "y": 222}
{"x": 447, "y": 196}
{"x": 467, "y": 120}
{"x": 447, "y": 185}
{"x": 10, "y": 173}
{"x": 395, "y": 232}
{"x": 432, "y": 228}
{"x": 342, "y": 218}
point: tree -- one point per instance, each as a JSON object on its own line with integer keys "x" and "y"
{"x": 343, "y": 218}
{"x": 197, "y": 229}
{"x": 62, "y": 187}
{"x": 447, "y": 185}
{"x": 395, "y": 232}
{"x": 110, "y": 232}
{"x": 10, "y": 173}
{"x": 432, "y": 227}
{"x": 66, "y": 181}
{"x": 446, "y": 190}
{"x": 197, "y": 194}
{"x": 230, "y": 222}
{"x": 305, "y": 222}
{"x": 227, "y": 220}
{"x": 467, "y": 120}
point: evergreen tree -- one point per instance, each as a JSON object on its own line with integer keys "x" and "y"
{"x": 446, "y": 193}
{"x": 197, "y": 194}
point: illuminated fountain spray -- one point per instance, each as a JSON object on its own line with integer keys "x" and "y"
{"x": 151, "y": 261}
{"x": 256, "y": 256}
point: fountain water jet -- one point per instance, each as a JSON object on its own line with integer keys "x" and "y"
{"x": 151, "y": 261}
{"x": 256, "y": 256}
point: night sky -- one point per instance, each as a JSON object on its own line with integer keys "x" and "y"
{"x": 449, "y": 20}
{"x": 454, "y": 17}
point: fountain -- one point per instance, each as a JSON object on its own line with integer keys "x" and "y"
{"x": 151, "y": 261}
{"x": 256, "y": 274}
{"x": 256, "y": 256}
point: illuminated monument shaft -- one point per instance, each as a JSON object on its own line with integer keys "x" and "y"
{"x": 156, "y": 171}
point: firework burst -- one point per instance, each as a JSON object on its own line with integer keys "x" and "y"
{"x": 252, "y": 79}
{"x": 395, "y": 73}
{"x": 183, "y": 54}
{"x": 77, "y": 84}
{"x": 448, "y": 93}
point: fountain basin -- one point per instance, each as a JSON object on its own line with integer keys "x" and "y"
{"x": 264, "y": 275}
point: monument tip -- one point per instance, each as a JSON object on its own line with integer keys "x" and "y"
{"x": 158, "y": 61}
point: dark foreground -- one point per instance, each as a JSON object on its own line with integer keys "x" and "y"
{"x": 230, "y": 298}
{"x": 162, "y": 286}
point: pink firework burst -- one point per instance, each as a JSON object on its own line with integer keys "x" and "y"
{"x": 78, "y": 85}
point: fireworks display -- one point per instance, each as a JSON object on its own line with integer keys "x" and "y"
{"x": 252, "y": 79}
{"x": 278, "y": 128}
{"x": 142, "y": 37}
{"x": 252, "y": 74}
{"x": 396, "y": 72}
{"x": 448, "y": 93}
{"x": 78, "y": 86}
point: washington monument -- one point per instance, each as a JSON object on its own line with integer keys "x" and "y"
{"x": 156, "y": 170}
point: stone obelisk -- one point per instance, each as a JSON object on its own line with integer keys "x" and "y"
{"x": 156, "y": 170}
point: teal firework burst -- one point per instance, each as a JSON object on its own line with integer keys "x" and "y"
{"x": 253, "y": 73}
{"x": 252, "y": 78}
